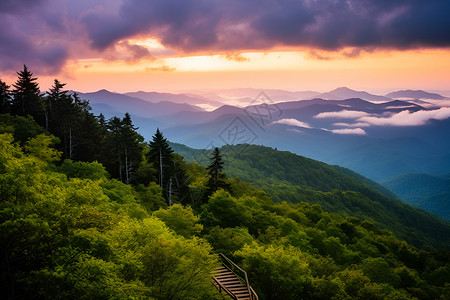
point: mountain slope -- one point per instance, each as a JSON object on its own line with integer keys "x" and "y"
{"x": 342, "y": 93}
{"x": 431, "y": 193}
{"x": 292, "y": 178}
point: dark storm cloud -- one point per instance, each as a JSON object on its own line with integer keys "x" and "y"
{"x": 40, "y": 31}
{"x": 192, "y": 25}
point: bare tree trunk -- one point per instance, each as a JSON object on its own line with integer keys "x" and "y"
{"x": 170, "y": 192}
{"x": 46, "y": 121}
{"x": 160, "y": 169}
{"x": 126, "y": 167}
{"x": 120, "y": 163}
{"x": 70, "y": 142}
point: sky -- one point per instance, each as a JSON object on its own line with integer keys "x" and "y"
{"x": 178, "y": 45}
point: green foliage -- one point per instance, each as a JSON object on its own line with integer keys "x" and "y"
{"x": 83, "y": 170}
{"x": 181, "y": 219}
{"x": 89, "y": 237}
{"x": 292, "y": 178}
{"x": 150, "y": 196}
{"x": 426, "y": 191}
{"x": 300, "y": 251}
{"x": 281, "y": 272}
{"x": 228, "y": 240}
{"x": 22, "y": 128}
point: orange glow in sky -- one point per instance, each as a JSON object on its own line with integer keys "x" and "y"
{"x": 376, "y": 71}
{"x": 159, "y": 45}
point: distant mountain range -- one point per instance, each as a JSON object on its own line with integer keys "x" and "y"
{"x": 376, "y": 136}
{"x": 376, "y": 139}
{"x": 343, "y": 93}
{"x": 418, "y": 94}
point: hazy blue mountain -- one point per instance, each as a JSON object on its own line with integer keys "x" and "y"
{"x": 175, "y": 98}
{"x": 248, "y": 95}
{"x": 374, "y": 157}
{"x": 342, "y": 93}
{"x": 377, "y": 152}
{"x": 384, "y": 151}
{"x": 135, "y": 106}
{"x": 431, "y": 193}
{"x": 414, "y": 94}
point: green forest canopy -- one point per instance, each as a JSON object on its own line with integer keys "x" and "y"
{"x": 74, "y": 228}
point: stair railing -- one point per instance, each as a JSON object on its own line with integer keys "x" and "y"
{"x": 239, "y": 272}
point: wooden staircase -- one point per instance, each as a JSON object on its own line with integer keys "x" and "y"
{"x": 231, "y": 279}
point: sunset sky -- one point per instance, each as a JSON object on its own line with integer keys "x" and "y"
{"x": 175, "y": 45}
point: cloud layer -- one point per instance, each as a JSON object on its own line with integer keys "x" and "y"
{"x": 47, "y": 33}
{"x": 343, "y": 114}
{"x": 293, "y": 122}
{"x": 407, "y": 118}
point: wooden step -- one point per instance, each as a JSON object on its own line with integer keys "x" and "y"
{"x": 239, "y": 288}
{"x": 225, "y": 275}
{"x": 224, "y": 280}
{"x": 240, "y": 292}
{"x": 236, "y": 285}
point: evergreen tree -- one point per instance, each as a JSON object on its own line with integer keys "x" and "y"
{"x": 181, "y": 186}
{"x": 217, "y": 178}
{"x": 88, "y": 135}
{"x": 132, "y": 147}
{"x": 160, "y": 155}
{"x": 127, "y": 148}
{"x": 5, "y": 98}
{"x": 114, "y": 141}
{"x": 52, "y": 99}
{"x": 26, "y": 97}
{"x": 63, "y": 115}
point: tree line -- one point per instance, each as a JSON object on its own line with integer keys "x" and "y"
{"x": 114, "y": 142}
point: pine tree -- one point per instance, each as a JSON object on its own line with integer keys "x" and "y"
{"x": 217, "y": 178}
{"x": 5, "y": 97}
{"x": 181, "y": 182}
{"x": 114, "y": 126}
{"x": 126, "y": 145}
{"x": 52, "y": 99}
{"x": 160, "y": 155}
{"x": 26, "y": 97}
{"x": 62, "y": 116}
{"x": 132, "y": 147}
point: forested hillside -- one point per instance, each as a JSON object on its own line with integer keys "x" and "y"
{"x": 292, "y": 178}
{"x": 423, "y": 190}
{"x": 102, "y": 214}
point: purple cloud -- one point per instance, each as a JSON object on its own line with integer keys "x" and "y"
{"x": 43, "y": 33}
{"x": 32, "y": 33}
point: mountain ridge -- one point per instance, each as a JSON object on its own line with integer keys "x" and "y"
{"x": 293, "y": 178}
{"x": 415, "y": 94}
